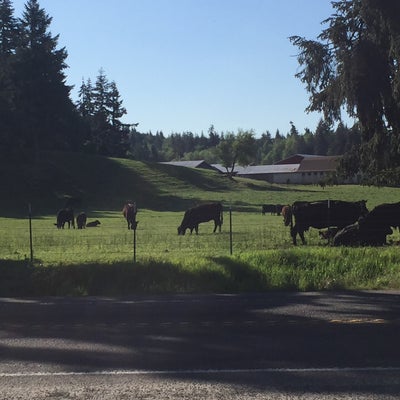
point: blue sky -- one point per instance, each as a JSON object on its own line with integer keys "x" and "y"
{"x": 182, "y": 65}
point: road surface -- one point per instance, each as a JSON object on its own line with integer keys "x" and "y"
{"x": 250, "y": 346}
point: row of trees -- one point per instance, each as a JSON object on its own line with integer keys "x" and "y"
{"x": 354, "y": 64}
{"x": 214, "y": 147}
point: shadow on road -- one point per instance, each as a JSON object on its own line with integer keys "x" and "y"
{"x": 260, "y": 332}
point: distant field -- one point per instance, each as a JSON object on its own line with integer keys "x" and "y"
{"x": 100, "y": 260}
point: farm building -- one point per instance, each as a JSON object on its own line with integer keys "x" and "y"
{"x": 299, "y": 168}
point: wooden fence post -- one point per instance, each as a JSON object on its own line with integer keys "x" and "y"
{"x": 230, "y": 231}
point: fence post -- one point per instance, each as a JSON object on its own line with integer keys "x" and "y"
{"x": 134, "y": 243}
{"x": 30, "y": 231}
{"x": 230, "y": 231}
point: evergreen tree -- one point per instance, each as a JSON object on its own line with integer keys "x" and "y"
{"x": 101, "y": 107}
{"x": 8, "y": 44}
{"x": 86, "y": 104}
{"x": 355, "y": 64}
{"x": 45, "y": 108}
{"x": 115, "y": 104}
{"x": 9, "y": 32}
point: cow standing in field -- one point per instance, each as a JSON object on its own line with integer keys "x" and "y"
{"x": 65, "y": 215}
{"x": 129, "y": 211}
{"x": 81, "y": 220}
{"x": 204, "y": 213}
{"x": 322, "y": 214}
{"x": 271, "y": 208}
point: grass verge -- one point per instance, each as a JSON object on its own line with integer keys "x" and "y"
{"x": 298, "y": 269}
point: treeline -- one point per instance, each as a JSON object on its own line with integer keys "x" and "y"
{"x": 268, "y": 149}
{"x": 36, "y": 110}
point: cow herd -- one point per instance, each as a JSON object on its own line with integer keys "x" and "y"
{"x": 345, "y": 223}
{"x": 66, "y": 216}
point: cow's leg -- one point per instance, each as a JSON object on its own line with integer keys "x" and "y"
{"x": 196, "y": 229}
{"x": 293, "y": 234}
{"x": 215, "y": 225}
{"x": 301, "y": 234}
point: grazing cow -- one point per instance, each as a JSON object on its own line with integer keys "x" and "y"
{"x": 129, "y": 211}
{"x": 271, "y": 208}
{"x": 204, "y": 213}
{"x": 63, "y": 216}
{"x": 322, "y": 214}
{"x": 81, "y": 220}
{"x": 93, "y": 224}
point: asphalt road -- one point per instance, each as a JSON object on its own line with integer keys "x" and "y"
{"x": 275, "y": 345}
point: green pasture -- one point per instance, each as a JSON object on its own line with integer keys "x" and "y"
{"x": 100, "y": 261}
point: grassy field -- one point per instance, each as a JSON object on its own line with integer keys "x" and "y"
{"x": 99, "y": 261}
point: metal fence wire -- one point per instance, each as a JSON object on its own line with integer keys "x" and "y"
{"x": 38, "y": 239}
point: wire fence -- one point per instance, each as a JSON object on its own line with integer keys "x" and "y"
{"x": 155, "y": 237}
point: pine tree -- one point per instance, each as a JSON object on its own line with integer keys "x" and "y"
{"x": 44, "y": 103}
{"x": 8, "y": 43}
{"x": 9, "y": 32}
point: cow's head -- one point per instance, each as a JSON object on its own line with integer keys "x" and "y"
{"x": 134, "y": 224}
{"x": 181, "y": 230}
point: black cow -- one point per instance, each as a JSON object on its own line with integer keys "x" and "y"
{"x": 271, "y": 208}
{"x": 323, "y": 214}
{"x": 375, "y": 226}
{"x": 81, "y": 220}
{"x": 348, "y": 236}
{"x": 204, "y": 213}
{"x": 63, "y": 216}
{"x": 93, "y": 224}
{"x": 129, "y": 211}
{"x": 357, "y": 235}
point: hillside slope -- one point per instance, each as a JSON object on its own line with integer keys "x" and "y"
{"x": 103, "y": 183}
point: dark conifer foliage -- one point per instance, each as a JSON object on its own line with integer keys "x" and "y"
{"x": 354, "y": 64}
{"x": 100, "y": 106}
{"x": 44, "y": 95}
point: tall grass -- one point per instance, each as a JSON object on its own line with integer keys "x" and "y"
{"x": 291, "y": 269}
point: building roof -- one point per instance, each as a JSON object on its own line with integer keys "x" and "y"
{"x": 324, "y": 163}
{"x": 293, "y": 164}
{"x": 299, "y": 158}
{"x": 189, "y": 164}
{"x": 269, "y": 169}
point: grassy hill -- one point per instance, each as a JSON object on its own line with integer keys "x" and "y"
{"x": 101, "y": 183}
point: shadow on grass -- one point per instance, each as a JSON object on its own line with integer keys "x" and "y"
{"x": 19, "y": 278}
